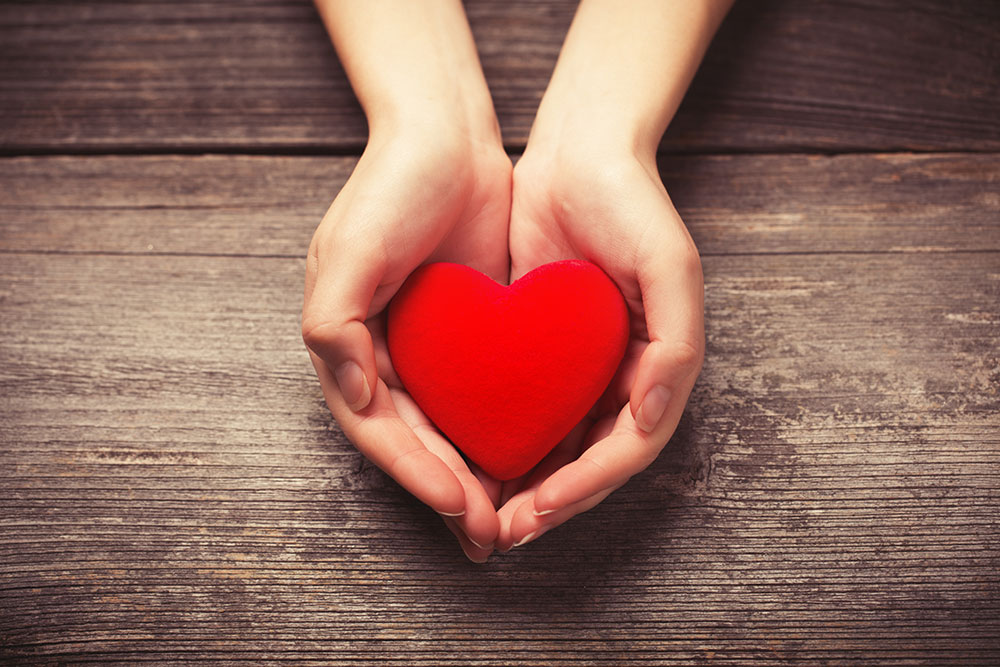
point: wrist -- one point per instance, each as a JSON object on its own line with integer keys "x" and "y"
{"x": 412, "y": 64}
{"x": 573, "y": 172}
{"x": 444, "y": 148}
{"x": 585, "y": 142}
{"x": 449, "y": 120}
{"x": 618, "y": 80}
{"x": 571, "y": 118}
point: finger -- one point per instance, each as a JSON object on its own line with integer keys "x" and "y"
{"x": 472, "y": 551}
{"x": 600, "y": 430}
{"x": 479, "y": 523}
{"x": 505, "y": 539}
{"x": 673, "y": 301}
{"x": 567, "y": 450}
{"x": 386, "y": 440}
{"x": 608, "y": 464}
{"x": 340, "y": 284}
{"x": 527, "y": 526}
{"x": 383, "y": 361}
{"x": 492, "y": 486}
{"x": 526, "y": 523}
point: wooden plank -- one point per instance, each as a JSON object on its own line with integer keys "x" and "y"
{"x": 781, "y": 75}
{"x": 270, "y": 205}
{"x": 172, "y": 488}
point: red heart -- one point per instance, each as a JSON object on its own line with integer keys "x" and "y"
{"x": 507, "y": 372}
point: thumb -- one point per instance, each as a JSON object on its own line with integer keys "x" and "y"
{"x": 339, "y": 290}
{"x": 672, "y": 300}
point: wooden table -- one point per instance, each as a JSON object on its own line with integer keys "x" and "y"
{"x": 172, "y": 488}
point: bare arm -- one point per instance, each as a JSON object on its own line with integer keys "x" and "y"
{"x": 623, "y": 71}
{"x": 411, "y": 64}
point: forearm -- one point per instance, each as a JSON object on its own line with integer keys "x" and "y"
{"x": 623, "y": 71}
{"x": 412, "y": 64}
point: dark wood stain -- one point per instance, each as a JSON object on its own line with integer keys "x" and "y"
{"x": 782, "y": 75}
{"x": 173, "y": 490}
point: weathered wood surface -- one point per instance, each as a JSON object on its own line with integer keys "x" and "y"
{"x": 261, "y": 205}
{"x": 173, "y": 487}
{"x": 174, "y": 490}
{"x": 781, "y": 75}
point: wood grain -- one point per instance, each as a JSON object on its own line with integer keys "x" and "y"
{"x": 261, "y": 76}
{"x": 269, "y": 206}
{"x": 174, "y": 490}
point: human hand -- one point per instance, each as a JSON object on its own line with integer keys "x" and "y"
{"x": 432, "y": 185}
{"x": 608, "y": 205}
{"x": 427, "y": 194}
{"x": 587, "y": 187}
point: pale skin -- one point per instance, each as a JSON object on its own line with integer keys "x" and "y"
{"x": 435, "y": 184}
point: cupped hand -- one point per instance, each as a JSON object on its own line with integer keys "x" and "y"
{"x": 608, "y": 207}
{"x": 421, "y": 196}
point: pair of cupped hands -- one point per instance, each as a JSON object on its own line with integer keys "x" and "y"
{"x": 433, "y": 192}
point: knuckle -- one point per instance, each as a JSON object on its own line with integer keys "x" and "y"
{"x": 318, "y": 332}
{"x": 688, "y": 261}
{"x": 691, "y": 262}
{"x": 686, "y": 354}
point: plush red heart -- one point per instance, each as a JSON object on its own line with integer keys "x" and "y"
{"x": 507, "y": 372}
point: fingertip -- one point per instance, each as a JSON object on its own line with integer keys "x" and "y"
{"x": 548, "y": 497}
{"x": 480, "y": 522}
{"x": 523, "y": 524}
{"x": 527, "y": 527}
{"x": 354, "y": 386}
{"x": 448, "y": 508}
{"x": 487, "y": 530}
{"x": 488, "y": 545}
{"x": 507, "y": 514}
{"x": 662, "y": 369}
{"x": 653, "y": 407}
{"x": 474, "y": 552}
{"x": 527, "y": 538}
{"x": 476, "y": 557}
{"x": 447, "y": 503}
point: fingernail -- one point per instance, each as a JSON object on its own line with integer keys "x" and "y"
{"x": 527, "y": 538}
{"x": 353, "y": 385}
{"x": 489, "y": 546}
{"x": 651, "y": 409}
{"x": 462, "y": 513}
{"x": 542, "y": 512}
